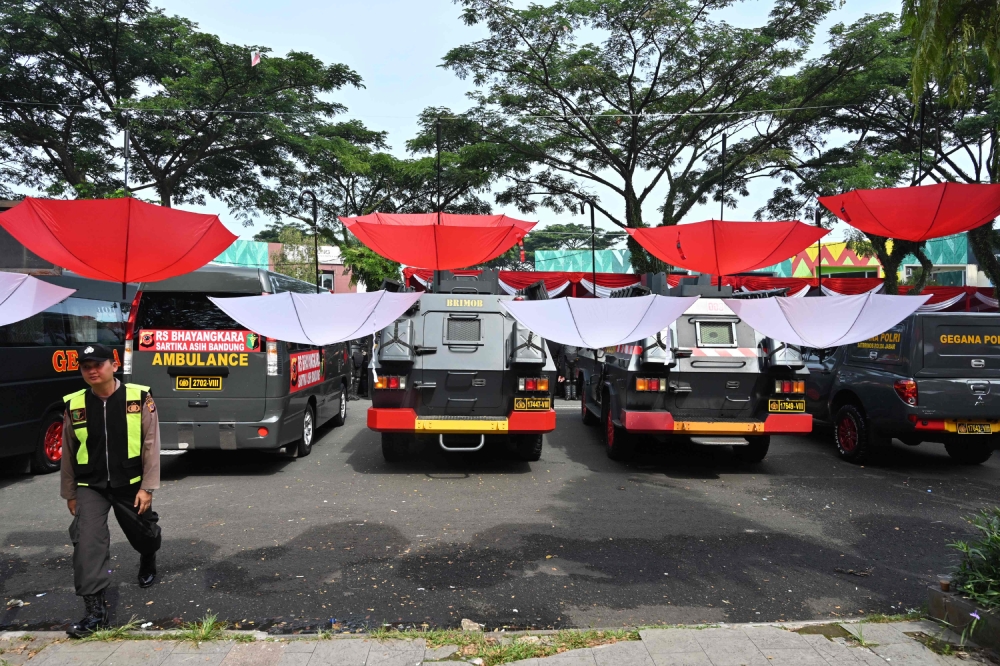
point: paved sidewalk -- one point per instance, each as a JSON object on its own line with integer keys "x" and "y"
{"x": 733, "y": 645}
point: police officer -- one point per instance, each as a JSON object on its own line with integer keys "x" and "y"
{"x": 111, "y": 460}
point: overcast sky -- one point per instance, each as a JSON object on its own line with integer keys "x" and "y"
{"x": 397, "y": 46}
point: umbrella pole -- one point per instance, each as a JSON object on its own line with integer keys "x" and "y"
{"x": 819, "y": 256}
{"x": 436, "y": 282}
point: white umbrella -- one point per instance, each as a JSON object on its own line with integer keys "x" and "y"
{"x": 593, "y": 323}
{"x": 828, "y": 321}
{"x": 317, "y": 319}
{"x": 22, "y": 296}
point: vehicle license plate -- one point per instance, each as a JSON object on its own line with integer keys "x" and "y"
{"x": 532, "y": 404}
{"x": 974, "y": 428}
{"x": 198, "y": 383}
{"x": 786, "y": 405}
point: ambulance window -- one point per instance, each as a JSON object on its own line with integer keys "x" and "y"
{"x": 716, "y": 333}
{"x": 280, "y": 283}
{"x": 184, "y": 311}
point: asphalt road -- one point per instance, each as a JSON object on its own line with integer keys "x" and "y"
{"x": 677, "y": 536}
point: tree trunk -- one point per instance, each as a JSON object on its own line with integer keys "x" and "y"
{"x": 642, "y": 261}
{"x": 981, "y": 240}
{"x": 925, "y": 272}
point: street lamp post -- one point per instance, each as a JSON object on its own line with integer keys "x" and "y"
{"x": 315, "y": 226}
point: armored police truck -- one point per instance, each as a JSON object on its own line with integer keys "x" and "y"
{"x": 457, "y": 372}
{"x": 709, "y": 379}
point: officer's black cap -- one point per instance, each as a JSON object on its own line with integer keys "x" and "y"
{"x": 96, "y": 353}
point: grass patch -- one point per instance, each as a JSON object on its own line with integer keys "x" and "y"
{"x": 880, "y": 618}
{"x": 498, "y": 648}
{"x": 243, "y": 638}
{"x": 978, "y": 574}
{"x": 937, "y": 645}
{"x": 120, "y": 633}
{"x": 859, "y": 637}
{"x": 209, "y": 628}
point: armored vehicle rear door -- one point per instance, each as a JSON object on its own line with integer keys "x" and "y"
{"x": 467, "y": 368}
{"x": 718, "y": 379}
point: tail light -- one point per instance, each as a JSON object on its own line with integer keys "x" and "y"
{"x": 651, "y": 384}
{"x": 392, "y": 382}
{"x": 532, "y": 383}
{"x": 789, "y": 386}
{"x": 906, "y": 389}
{"x": 272, "y": 358}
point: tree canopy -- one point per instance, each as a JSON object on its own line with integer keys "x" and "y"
{"x": 647, "y": 106}
{"x": 201, "y": 120}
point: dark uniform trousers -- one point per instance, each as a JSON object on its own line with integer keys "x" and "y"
{"x": 92, "y": 539}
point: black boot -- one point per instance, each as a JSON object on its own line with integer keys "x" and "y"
{"x": 147, "y": 570}
{"x": 96, "y": 617}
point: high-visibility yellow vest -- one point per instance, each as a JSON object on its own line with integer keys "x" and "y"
{"x": 77, "y": 404}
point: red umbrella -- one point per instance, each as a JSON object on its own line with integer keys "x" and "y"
{"x": 917, "y": 213}
{"x": 119, "y": 240}
{"x": 439, "y": 242}
{"x": 726, "y": 248}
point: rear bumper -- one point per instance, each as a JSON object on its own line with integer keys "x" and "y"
{"x": 382, "y": 419}
{"x": 224, "y": 436}
{"x": 664, "y": 423}
{"x": 950, "y": 426}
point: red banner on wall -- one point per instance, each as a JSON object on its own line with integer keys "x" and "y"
{"x": 306, "y": 369}
{"x": 198, "y": 341}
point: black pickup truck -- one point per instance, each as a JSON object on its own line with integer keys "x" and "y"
{"x": 934, "y": 377}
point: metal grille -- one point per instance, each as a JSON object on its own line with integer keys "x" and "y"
{"x": 464, "y": 330}
{"x": 715, "y": 334}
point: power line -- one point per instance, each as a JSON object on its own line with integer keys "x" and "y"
{"x": 682, "y": 114}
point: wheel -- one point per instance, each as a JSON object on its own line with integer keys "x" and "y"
{"x": 48, "y": 452}
{"x": 395, "y": 446}
{"x": 588, "y": 416}
{"x": 755, "y": 451}
{"x": 341, "y": 416}
{"x": 529, "y": 447}
{"x": 567, "y": 391}
{"x": 972, "y": 453}
{"x": 304, "y": 446}
{"x": 852, "y": 435}
{"x": 617, "y": 441}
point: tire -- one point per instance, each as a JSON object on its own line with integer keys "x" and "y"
{"x": 588, "y": 416}
{"x": 973, "y": 453}
{"x": 617, "y": 441}
{"x": 341, "y": 416}
{"x": 47, "y": 456}
{"x": 852, "y": 435}
{"x": 755, "y": 451}
{"x": 395, "y": 447}
{"x": 529, "y": 447}
{"x": 567, "y": 391}
{"x": 304, "y": 446}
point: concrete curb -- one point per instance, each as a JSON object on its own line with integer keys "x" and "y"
{"x": 171, "y": 634}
